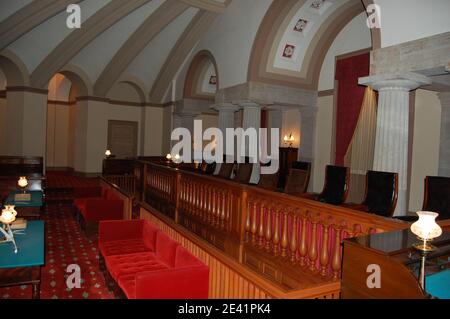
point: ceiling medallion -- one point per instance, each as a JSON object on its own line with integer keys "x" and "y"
{"x": 317, "y": 4}
{"x": 300, "y": 25}
{"x": 213, "y": 80}
{"x": 288, "y": 51}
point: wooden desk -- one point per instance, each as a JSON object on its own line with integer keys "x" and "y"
{"x": 24, "y": 268}
{"x": 27, "y": 209}
{"x": 398, "y": 262}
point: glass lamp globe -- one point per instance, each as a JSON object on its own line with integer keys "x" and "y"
{"x": 22, "y": 182}
{"x": 426, "y": 229}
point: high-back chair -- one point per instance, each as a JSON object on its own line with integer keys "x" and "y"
{"x": 244, "y": 172}
{"x": 226, "y": 169}
{"x": 210, "y": 168}
{"x": 298, "y": 178}
{"x": 437, "y": 196}
{"x": 269, "y": 181}
{"x": 381, "y": 194}
{"x": 335, "y": 190}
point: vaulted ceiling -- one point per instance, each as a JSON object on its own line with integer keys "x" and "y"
{"x": 140, "y": 41}
{"x": 147, "y": 42}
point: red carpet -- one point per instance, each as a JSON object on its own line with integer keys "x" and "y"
{"x": 65, "y": 245}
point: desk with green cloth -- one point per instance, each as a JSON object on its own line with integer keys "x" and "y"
{"x": 27, "y": 209}
{"x": 438, "y": 284}
{"x": 24, "y": 267}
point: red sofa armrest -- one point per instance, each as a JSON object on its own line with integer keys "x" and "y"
{"x": 110, "y": 230}
{"x": 174, "y": 283}
{"x": 103, "y": 209}
{"x": 86, "y": 192}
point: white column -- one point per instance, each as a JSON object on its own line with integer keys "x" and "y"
{"x": 252, "y": 119}
{"x": 226, "y": 117}
{"x": 226, "y": 120}
{"x": 444, "y": 152}
{"x": 391, "y": 143}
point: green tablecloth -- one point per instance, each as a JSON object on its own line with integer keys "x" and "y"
{"x": 36, "y": 199}
{"x": 30, "y": 247}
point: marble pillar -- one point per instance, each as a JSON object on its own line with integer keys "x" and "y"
{"x": 444, "y": 151}
{"x": 252, "y": 119}
{"x": 226, "y": 120}
{"x": 391, "y": 142}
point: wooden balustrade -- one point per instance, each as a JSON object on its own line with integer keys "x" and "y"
{"x": 294, "y": 242}
{"x": 125, "y": 182}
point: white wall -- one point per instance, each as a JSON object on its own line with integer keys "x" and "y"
{"x": 425, "y": 152}
{"x": 355, "y": 36}
{"x": 407, "y": 20}
{"x": 57, "y": 149}
{"x": 154, "y": 126}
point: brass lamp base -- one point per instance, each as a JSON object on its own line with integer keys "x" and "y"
{"x": 424, "y": 247}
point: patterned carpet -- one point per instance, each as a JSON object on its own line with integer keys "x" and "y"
{"x": 65, "y": 245}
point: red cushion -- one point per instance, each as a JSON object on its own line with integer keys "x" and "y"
{"x": 149, "y": 233}
{"x": 121, "y": 265}
{"x": 128, "y": 285}
{"x": 122, "y": 247}
{"x": 166, "y": 249}
{"x": 184, "y": 258}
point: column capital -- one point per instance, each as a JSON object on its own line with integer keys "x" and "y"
{"x": 225, "y": 107}
{"x": 247, "y": 104}
{"x": 185, "y": 115}
{"x": 404, "y": 81}
{"x": 308, "y": 111}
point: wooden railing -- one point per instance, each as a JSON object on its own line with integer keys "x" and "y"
{"x": 125, "y": 182}
{"x": 292, "y": 241}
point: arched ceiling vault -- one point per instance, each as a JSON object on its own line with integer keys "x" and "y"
{"x": 78, "y": 39}
{"x": 151, "y": 27}
{"x": 294, "y": 37}
{"x": 29, "y": 17}
{"x": 62, "y": 48}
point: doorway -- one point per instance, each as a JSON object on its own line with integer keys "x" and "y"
{"x": 123, "y": 138}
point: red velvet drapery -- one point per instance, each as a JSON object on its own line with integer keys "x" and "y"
{"x": 349, "y": 99}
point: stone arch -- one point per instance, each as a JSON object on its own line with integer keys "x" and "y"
{"x": 80, "y": 80}
{"x": 270, "y": 33}
{"x": 197, "y": 72}
{"x": 137, "y": 84}
{"x": 14, "y": 69}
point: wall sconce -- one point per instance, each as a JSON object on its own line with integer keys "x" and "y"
{"x": 22, "y": 183}
{"x": 108, "y": 153}
{"x": 289, "y": 140}
{"x": 177, "y": 159}
{"x": 169, "y": 157}
{"x": 7, "y": 217}
{"x": 426, "y": 229}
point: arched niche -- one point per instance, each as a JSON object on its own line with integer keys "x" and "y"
{"x": 202, "y": 79}
{"x": 14, "y": 69}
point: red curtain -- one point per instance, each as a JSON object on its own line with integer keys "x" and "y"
{"x": 349, "y": 99}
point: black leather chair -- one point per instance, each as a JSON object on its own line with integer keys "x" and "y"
{"x": 298, "y": 178}
{"x": 437, "y": 196}
{"x": 226, "y": 169}
{"x": 244, "y": 172}
{"x": 209, "y": 168}
{"x": 268, "y": 181}
{"x": 335, "y": 190}
{"x": 381, "y": 194}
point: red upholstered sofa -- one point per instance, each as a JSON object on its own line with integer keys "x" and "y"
{"x": 94, "y": 204}
{"x": 147, "y": 264}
